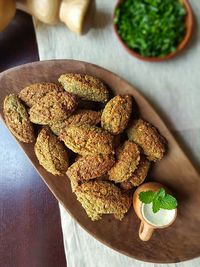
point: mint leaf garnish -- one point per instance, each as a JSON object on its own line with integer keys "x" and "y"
{"x": 161, "y": 193}
{"x": 146, "y": 197}
{"x": 159, "y": 200}
{"x": 168, "y": 202}
{"x": 156, "y": 205}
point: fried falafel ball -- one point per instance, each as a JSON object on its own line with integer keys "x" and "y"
{"x": 82, "y": 116}
{"x": 128, "y": 157}
{"x": 53, "y": 107}
{"x": 89, "y": 167}
{"x": 139, "y": 174}
{"x": 51, "y": 152}
{"x": 85, "y": 86}
{"x": 148, "y": 138}
{"x": 116, "y": 114}
{"x": 87, "y": 140}
{"x": 102, "y": 197}
{"x": 17, "y": 119}
{"x": 32, "y": 93}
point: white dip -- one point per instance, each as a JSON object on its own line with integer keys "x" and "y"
{"x": 160, "y": 218}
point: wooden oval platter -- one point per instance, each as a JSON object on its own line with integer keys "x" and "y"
{"x": 177, "y": 243}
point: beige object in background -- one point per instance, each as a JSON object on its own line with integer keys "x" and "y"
{"x": 7, "y": 12}
{"x": 44, "y": 10}
{"x": 72, "y": 13}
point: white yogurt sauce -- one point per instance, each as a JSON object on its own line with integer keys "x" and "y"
{"x": 160, "y": 218}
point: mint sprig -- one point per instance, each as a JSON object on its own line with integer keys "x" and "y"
{"x": 159, "y": 200}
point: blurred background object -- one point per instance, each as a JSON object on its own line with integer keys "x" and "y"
{"x": 71, "y": 12}
{"x": 17, "y": 42}
{"x": 7, "y": 12}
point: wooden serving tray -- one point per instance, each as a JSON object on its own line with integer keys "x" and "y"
{"x": 177, "y": 243}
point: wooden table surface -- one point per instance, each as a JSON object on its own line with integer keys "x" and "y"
{"x": 30, "y": 230}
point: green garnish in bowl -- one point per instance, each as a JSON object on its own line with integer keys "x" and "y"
{"x": 159, "y": 200}
{"x": 151, "y": 28}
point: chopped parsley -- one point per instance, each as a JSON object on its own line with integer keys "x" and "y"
{"x": 152, "y": 28}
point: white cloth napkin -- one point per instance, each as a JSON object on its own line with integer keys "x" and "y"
{"x": 173, "y": 87}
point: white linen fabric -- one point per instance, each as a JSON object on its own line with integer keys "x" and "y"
{"x": 173, "y": 87}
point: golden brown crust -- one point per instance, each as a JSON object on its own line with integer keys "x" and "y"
{"x": 51, "y": 153}
{"x": 57, "y": 126}
{"x": 85, "y": 86}
{"x": 89, "y": 167}
{"x": 34, "y": 92}
{"x": 17, "y": 119}
{"x": 84, "y": 116}
{"x": 116, "y": 114}
{"x": 53, "y": 107}
{"x": 139, "y": 174}
{"x": 128, "y": 157}
{"x": 102, "y": 197}
{"x": 87, "y": 140}
{"x": 147, "y": 136}
{"x": 81, "y": 116}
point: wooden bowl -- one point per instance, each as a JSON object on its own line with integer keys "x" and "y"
{"x": 184, "y": 42}
{"x": 177, "y": 243}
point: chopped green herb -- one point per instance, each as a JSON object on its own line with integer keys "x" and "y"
{"x": 152, "y": 28}
{"x": 159, "y": 200}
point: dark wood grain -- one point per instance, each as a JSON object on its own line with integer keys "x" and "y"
{"x": 177, "y": 243}
{"x": 30, "y": 230}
